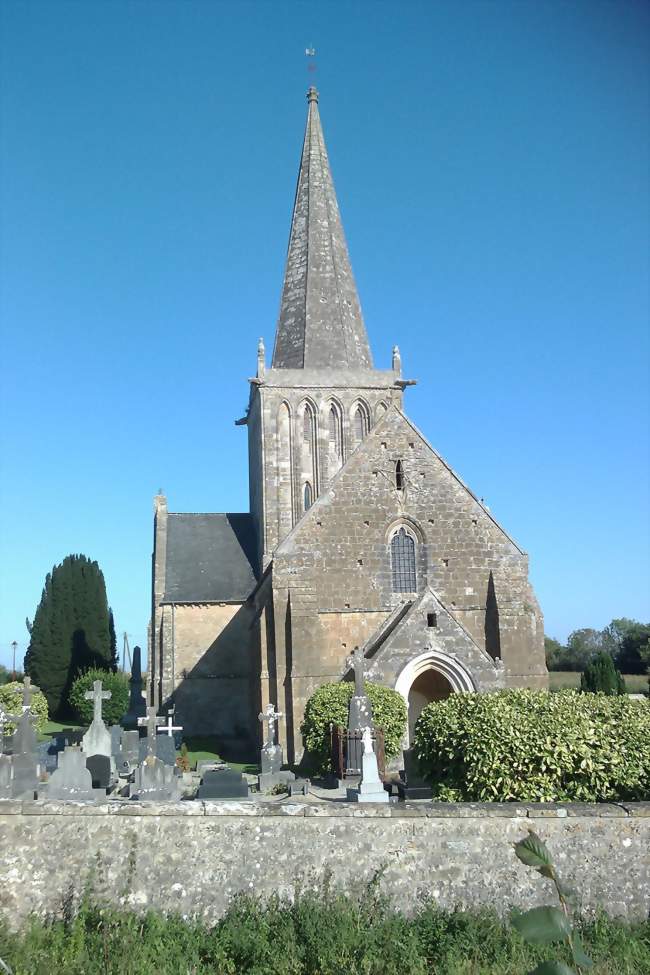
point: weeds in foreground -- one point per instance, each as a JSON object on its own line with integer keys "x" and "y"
{"x": 323, "y": 933}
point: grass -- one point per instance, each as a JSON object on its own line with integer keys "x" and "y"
{"x": 558, "y": 679}
{"x": 204, "y": 748}
{"x": 318, "y": 934}
{"x": 51, "y": 728}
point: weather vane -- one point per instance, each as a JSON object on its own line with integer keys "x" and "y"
{"x": 310, "y": 52}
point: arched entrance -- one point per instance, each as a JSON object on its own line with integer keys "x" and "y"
{"x": 430, "y": 686}
{"x": 432, "y": 676}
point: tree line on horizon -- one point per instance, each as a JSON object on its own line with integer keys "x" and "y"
{"x": 626, "y": 641}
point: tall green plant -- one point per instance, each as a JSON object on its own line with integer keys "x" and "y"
{"x": 601, "y": 676}
{"x": 549, "y": 925}
{"x": 71, "y": 631}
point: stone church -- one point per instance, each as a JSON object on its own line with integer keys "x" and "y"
{"x": 359, "y": 534}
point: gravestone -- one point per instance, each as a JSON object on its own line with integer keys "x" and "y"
{"x": 131, "y": 747}
{"x": 299, "y": 787}
{"x": 371, "y": 788}
{"x": 137, "y": 705}
{"x": 151, "y": 722}
{"x": 115, "y": 732}
{"x": 223, "y": 783}
{"x": 163, "y": 748}
{"x": 24, "y": 762}
{"x": 155, "y": 781}
{"x": 97, "y": 740}
{"x": 101, "y": 771}
{"x": 24, "y": 784}
{"x": 5, "y": 777}
{"x": 47, "y": 755}
{"x": 72, "y": 780}
{"x": 271, "y": 758}
{"x": 359, "y": 713}
{"x": 414, "y": 785}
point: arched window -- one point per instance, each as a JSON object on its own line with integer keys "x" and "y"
{"x": 307, "y": 496}
{"x": 402, "y": 560}
{"x": 360, "y": 423}
{"x": 335, "y": 432}
{"x": 399, "y": 476}
{"x": 308, "y": 428}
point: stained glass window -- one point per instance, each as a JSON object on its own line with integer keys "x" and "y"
{"x": 402, "y": 557}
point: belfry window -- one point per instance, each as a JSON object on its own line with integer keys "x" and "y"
{"x": 307, "y": 496}
{"x": 399, "y": 476}
{"x": 402, "y": 558}
{"x": 335, "y": 431}
{"x": 308, "y": 428}
{"x": 360, "y": 424}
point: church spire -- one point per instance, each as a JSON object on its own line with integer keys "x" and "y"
{"x": 320, "y": 323}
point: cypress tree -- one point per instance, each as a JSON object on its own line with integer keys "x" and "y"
{"x": 600, "y": 675}
{"x": 71, "y": 631}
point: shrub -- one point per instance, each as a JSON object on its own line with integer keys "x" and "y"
{"x": 536, "y": 746}
{"x": 329, "y": 705}
{"x": 113, "y": 709}
{"x": 600, "y": 675}
{"x": 11, "y": 702}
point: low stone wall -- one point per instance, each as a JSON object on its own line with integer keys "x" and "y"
{"x": 192, "y": 857}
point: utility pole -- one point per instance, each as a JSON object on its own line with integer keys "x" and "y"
{"x": 14, "y": 644}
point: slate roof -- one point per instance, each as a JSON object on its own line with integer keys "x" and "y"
{"x": 210, "y": 558}
{"x": 320, "y": 323}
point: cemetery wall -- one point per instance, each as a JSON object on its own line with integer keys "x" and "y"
{"x": 192, "y": 857}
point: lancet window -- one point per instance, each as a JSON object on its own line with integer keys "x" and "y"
{"x": 402, "y": 558}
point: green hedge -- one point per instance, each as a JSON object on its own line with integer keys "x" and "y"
{"x": 329, "y": 704}
{"x": 11, "y": 702}
{"x": 536, "y": 746}
{"x": 113, "y": 709}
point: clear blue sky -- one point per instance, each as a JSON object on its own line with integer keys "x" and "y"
{"x": 491, "y": 163}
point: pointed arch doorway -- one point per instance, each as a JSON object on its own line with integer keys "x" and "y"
{"x": 431, "y": 676}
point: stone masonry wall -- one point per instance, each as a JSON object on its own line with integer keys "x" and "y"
{"x": 193, "y": 857}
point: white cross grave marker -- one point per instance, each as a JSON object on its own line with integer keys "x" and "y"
{"x": 270, "y": 716}
{"x": 169, "y": 728}
{"x": 97, "y": 695}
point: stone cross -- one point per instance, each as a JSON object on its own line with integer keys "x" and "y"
{"x": 356, "y": 662}
{"x": 270, "y": 716}
{"x": 170, "y": 727}
{"x": 151, "y": 722}
{"x": 97, "y": 695}
{"x": 27, "y": 693}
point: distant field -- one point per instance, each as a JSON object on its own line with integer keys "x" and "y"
{"x": 635, "y": 683}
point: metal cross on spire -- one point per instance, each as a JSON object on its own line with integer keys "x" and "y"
{"x": 97, "y": 695}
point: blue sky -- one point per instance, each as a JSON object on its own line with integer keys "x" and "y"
{"x": 491, "y": 164}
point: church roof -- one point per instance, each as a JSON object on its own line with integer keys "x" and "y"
{"x": 320, "y": 323}
{"x": 210, "y": 558}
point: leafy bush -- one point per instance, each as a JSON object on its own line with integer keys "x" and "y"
{"x": 600, "y": 675}
{"x": 11, "y": 702}
{"x": 536, "y": 746}
{"x": 329, "y": 705}
{"x": 113, "y": 709}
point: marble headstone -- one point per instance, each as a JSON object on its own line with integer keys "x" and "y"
{"x": 100, "y": 768}
{"x": 97, "y": 740}
{"x": 223, "y": 783}
{"x": 155, "y": 781}
{"x": 371, "y": 788}
{"x": 72, "y": 780}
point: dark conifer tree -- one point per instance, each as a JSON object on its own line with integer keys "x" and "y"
{"x": 600, "y": 674}
{"x": 71, "y": 630}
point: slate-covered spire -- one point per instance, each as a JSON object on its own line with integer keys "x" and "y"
{"x": 320, "y": 323}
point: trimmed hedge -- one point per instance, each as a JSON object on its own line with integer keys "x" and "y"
{"x": 11, "y": 702}
{"x": 329, "y": 704}
{"x": 535, "y": 746}
{"x": 114, "y": 708}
